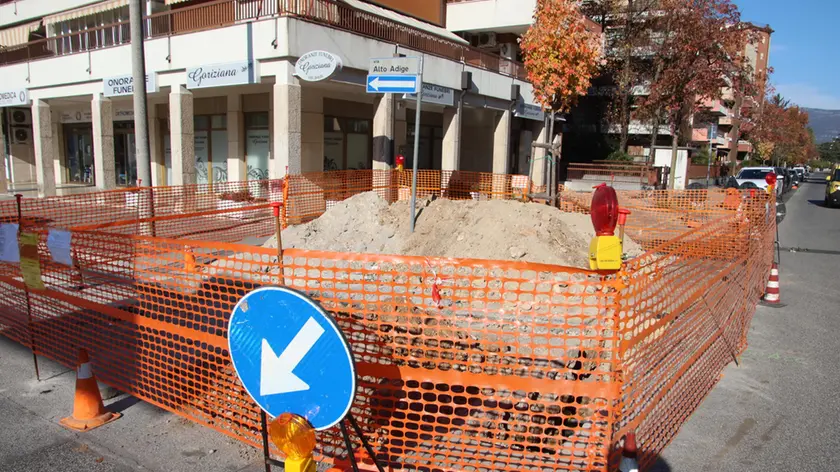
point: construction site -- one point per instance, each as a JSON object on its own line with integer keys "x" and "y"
{"x": 482, "y": 340}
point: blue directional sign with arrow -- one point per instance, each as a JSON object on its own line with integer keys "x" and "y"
{"x": 291, "y": 356}
{"x": 392, "y": 83}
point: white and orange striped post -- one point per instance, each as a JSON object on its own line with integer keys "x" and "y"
{"x": 772, "y": 295}
{"x": 629, "y": 456}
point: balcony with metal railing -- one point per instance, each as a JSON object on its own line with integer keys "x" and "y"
{"x": 222, "y": 13}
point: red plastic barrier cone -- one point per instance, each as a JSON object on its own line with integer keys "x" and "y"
{"x": 629, "y": 458}
{"x": 771, "y": 293}
{"x": 88, "y": 410}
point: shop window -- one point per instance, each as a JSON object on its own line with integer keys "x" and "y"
{"x": 347, "y": 143}
{"x": 430, "y": 147}
{"x": 257, "y": 145}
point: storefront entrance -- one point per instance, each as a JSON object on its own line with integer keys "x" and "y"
{"x": 125, "y": 153}
{"x": 78, "y": 159}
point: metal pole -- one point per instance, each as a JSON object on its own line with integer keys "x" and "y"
{"x": 265, "y": 447}
{"x": 709, "y": 160}
{"x": 416, "y": 155}
{"x": 138, "y": 73}
{"x": 551, "y": 173}
{"x": 29, "y": 327}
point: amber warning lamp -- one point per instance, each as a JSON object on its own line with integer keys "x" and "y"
{"x": 295, "y": 437}
{"x": 400, "y": 159}
{"x": 771, "y": 181}
{"x": 605, "y": 249}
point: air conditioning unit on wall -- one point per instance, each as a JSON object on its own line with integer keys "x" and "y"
{"x": 486, "y": 40}
{"x": 21, "y": 134}
{"x": 20, "y": 116}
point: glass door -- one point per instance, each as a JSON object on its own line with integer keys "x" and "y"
{"x": 125, "y": 156}
{"x": 79, "y": 154}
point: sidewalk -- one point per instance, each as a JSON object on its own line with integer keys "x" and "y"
{"x": 146, "y": 438}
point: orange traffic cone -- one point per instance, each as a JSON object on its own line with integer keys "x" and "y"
{"x": 88, "y": 410}
{"x": 629, "y": 458}
{"x": 771, "y": 294}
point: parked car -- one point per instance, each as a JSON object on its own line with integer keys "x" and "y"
{"x": 832, "y": 188}
{"x": 802, "y": 171}
{"x": 754, "y": 177}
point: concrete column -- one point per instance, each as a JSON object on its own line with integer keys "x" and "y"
{"x": 312, "y": 130}
{"x": 451, "y": 159}
{"x": 400, "y": 129}
{"x": 501, "y": 150}
{"x": 58, "y": 150}
{"x": 104, "y": 163}
{"x": 237, "y": 168}
{"x": 383, "y": 131}
{"x": 4, "y": 183}
{"x": 501, "y": 142}
{"x": 286, "y": 131}
{"x": 539, "y": 165}
{"x": 182, "y": 136}
{"x": 156, "y": 147}
{"x": 42, "y": 136}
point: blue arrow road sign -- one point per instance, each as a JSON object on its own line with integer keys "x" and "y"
{"x": 393, "y": 83}
{"x": 291, "y": 356}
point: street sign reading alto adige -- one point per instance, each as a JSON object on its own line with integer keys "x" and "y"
{"x": 394, "y": 75}
{"x": 394, "y": 66}
{"x": 291, "y": 356}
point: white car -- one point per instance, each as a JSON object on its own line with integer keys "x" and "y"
{"x": 756, "y": 176}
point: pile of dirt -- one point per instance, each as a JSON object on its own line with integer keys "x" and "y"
{"x": 494, "y": 229}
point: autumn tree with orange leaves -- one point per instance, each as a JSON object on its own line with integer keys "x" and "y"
{"x": 781, "y": 133}
{"x": 693, "y": 55}
{"x": 561, "y": 54}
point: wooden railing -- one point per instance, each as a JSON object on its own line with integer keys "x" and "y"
{"x": 222, "y": 13}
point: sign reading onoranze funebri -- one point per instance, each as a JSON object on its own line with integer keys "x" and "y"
{"x": 315, "y": 66}
{"x": 124, "y": 85}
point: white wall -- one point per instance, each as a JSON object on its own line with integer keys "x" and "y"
{"x": 489, "y": 15}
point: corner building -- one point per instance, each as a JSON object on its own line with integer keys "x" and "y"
{"x": 224, "y": 102}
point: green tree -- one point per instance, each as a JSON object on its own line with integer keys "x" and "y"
{"x": 830, "y": 151}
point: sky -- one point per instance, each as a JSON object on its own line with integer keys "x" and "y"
{"x": 804, "y": 49}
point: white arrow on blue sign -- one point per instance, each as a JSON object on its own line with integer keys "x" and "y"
{"x": 291, "y": 356}
{"x": 393, "y": 83}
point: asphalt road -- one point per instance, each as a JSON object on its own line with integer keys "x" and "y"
{"x": 780, "y": 409}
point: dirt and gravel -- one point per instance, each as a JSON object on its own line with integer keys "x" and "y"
{"x": 494, "y": 229}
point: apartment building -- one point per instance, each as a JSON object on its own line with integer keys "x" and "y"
{"x": 224, "y": 99}
{"x": 712, "y": 126}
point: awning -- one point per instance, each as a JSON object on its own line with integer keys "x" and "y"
{"x": 85, "y": 11}
{"x": 406, "y": 20}
{"x": 17, "y": 35}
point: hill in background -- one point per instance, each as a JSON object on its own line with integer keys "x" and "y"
{"x": 825, "y": 123}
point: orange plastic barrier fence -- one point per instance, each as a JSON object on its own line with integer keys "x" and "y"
{"x": 514, "y": 366}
